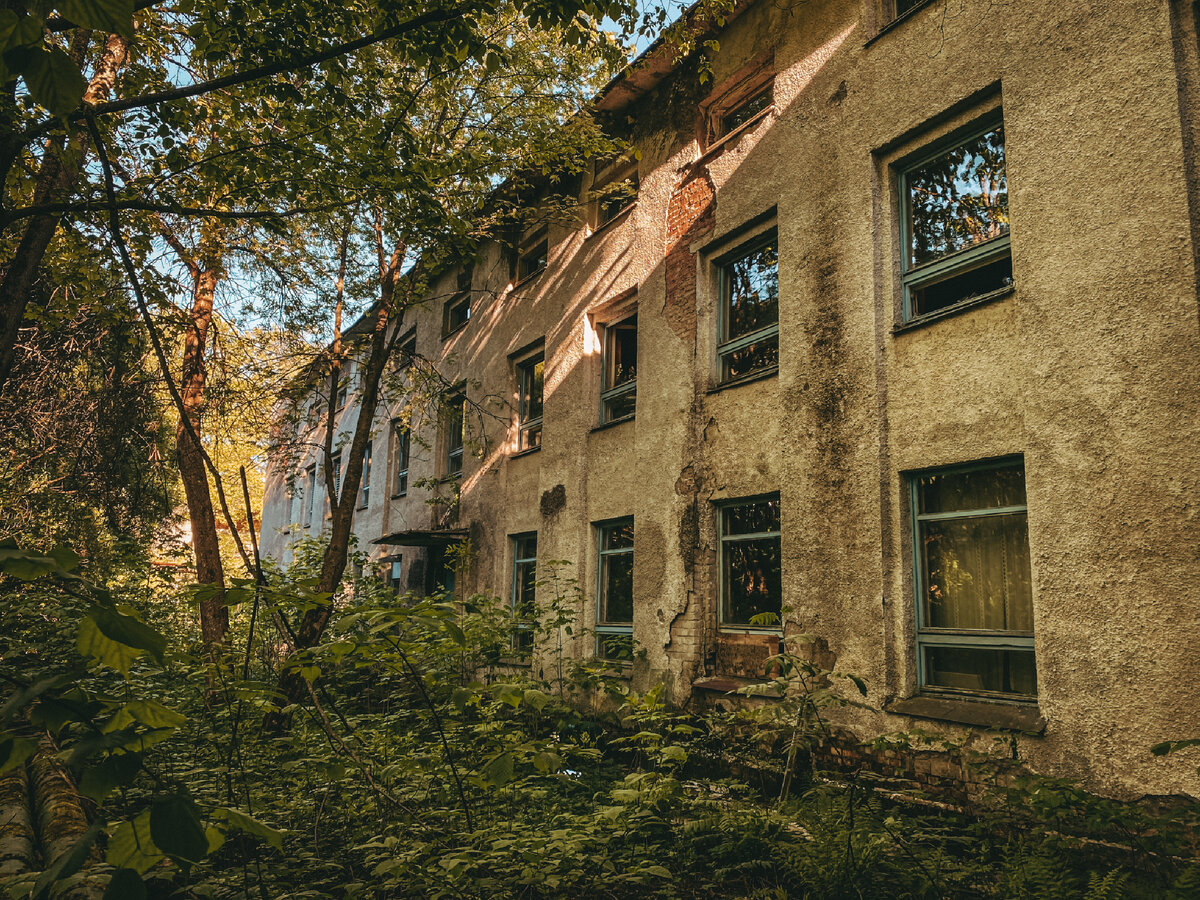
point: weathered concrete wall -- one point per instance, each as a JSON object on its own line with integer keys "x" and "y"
{"x": 1089, "y": 369}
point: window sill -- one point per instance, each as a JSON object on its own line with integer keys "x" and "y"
{"x": 1024, "y": 717}
{"x": 446, "y": 335}
{"x": 528, "y": 451}
{"x": 619, "y": 217}
{"x": 714, "y": 149}
{"x": 399, "y": 495}
{"x": 731, "y": 684}
{"x": 745, "y": 379}
{"x": 532, "y": 276}
{"x": 951, "y": 311}
{"x": 612, "y": 423}
{"x": 895, "y": 23}
{"x": 446, "y": 479}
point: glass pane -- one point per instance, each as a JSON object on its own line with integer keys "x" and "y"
{"x": 458, "y": 314}
{"x": 620, "y": 407}
{"x": 976, "y": 489}
{"x": 532, "y": 379}
{"x": 752, "y": 358}
{"x": 751, "y": 292}
{"x": 751, "y": 518}
{"x": 903, "y": 6}
{"x": 958, "y": 199}
{"x": 618, "y": 536}
{"x": 753, "y": 582}
{"x": 977, "y": 573}
{"x": 977, "y": 669}
{"x": 617, "y": 647}
{"x": 616, "y": 605}
{"x": 525, "y": 547}
{"x": 525, "y": 590}
{"x": 454, "y": 424}
{"x": 394, "y": 576}
{"x": 619, "y": 199}
{"x": 532, "y": 261}
{"x": 523, "y": 641}
{"x": 742, "y": 114}
{"x": 620, "y": 364}
{"x": 961, "y": 285}
{"x": 531, "y": 437}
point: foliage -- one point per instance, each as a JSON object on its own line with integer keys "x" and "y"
{"x": 428, "y": 763}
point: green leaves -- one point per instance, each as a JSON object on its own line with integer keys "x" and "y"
{"x": 114, "y": 16}
{"x": 131, "y": 846}
{"x": 117, "y": 640}
{"x": 27, "y": 565}
{"x": 240, "y": 821}
{"x": 176, "y": 830}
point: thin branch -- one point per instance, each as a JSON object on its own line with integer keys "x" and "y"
{"x": 43, "y": 209}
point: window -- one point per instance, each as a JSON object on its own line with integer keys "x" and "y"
{"x": 453, "y": 423}
{"x": 616, "y": 192}
{"x": 974, "y": 590}
{"x": 751, "y": 581}
{"x": 364, "y": 493}
{"x": 524, "y": 588}
{"x": 341, "y": 398}
{"x": 455, "y": 315}
{"x": 903, "y": 6}
{"x": 748, "y": 289}
{"x": 747, "y": 109}
{"x": 400, "y": 451}
{"x": 954, "y": 223}
{"x": 296, "y": 502}
{"x": 614, "y": 591}
{"x": 618, "y": 387}
{"x": 531, "y": 378}
{"x": 395, "y": 571}
{"x": 532, "y": 255}
{"x": 408, "y": 348}
{"x": 310, "y": 494}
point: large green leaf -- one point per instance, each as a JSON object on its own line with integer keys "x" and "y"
{"x": 54, "y": 81}
{"x": 240, "y": 821}
{"x": 102, "y": 15}
{"x": 176, "y": 829}
{"x": 14, "y": 751}
{"x": 94, "y": 643}
{"x": 132, "y": 847}
{"x": 498, "y": 771}
{"x": 118, "y": 770}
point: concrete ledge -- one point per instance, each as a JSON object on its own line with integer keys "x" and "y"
{"x": 1005, "y": 716}
{"x": 728, "y": 684}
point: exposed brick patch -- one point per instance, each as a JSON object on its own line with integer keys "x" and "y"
{"x": 691, "y": 213}
{"x": 745, "y": 655}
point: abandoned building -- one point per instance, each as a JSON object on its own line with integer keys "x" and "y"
{"x": 893, "y": 332}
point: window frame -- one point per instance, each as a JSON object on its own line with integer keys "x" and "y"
{"x": 603, "y": 627}
{"x": 621, "y": 391}
{"x": 401, "y": 458}
{"x": 396, "y": 574}
{"x": 607, "y": 179}
{"x": 455, "y": 454}
{"x": 961, "y": 638}
{"x": 525, "y": 378}
{"x": 915, "y": 277}
{"x": 460, "y": 301}
{"x": 726, "y": 346}
{"x": 522, "y": 639}
{"x": 722, "y": 540}
{"x": 364, "y": 489}
{"x": 537, "y": 241}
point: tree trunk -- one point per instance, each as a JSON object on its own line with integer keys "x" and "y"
{"x": 16, "y": 824}
{"x": 60, "y": 167}
{"x": 214, "y": 617}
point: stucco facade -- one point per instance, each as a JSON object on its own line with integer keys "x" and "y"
{"x": 1082, "y": 370}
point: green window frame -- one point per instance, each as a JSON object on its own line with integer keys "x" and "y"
{"x": 748, "y": 308}
{"x": 531, "y": 374}
{"x": 614, "y": 589}
{"x": 750, "y": 563}
{"x": 618, "y": 388}
{"x": 972, "y": 580}
{"x": 523, "y": 590}
{"x": 957, "y": 192}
